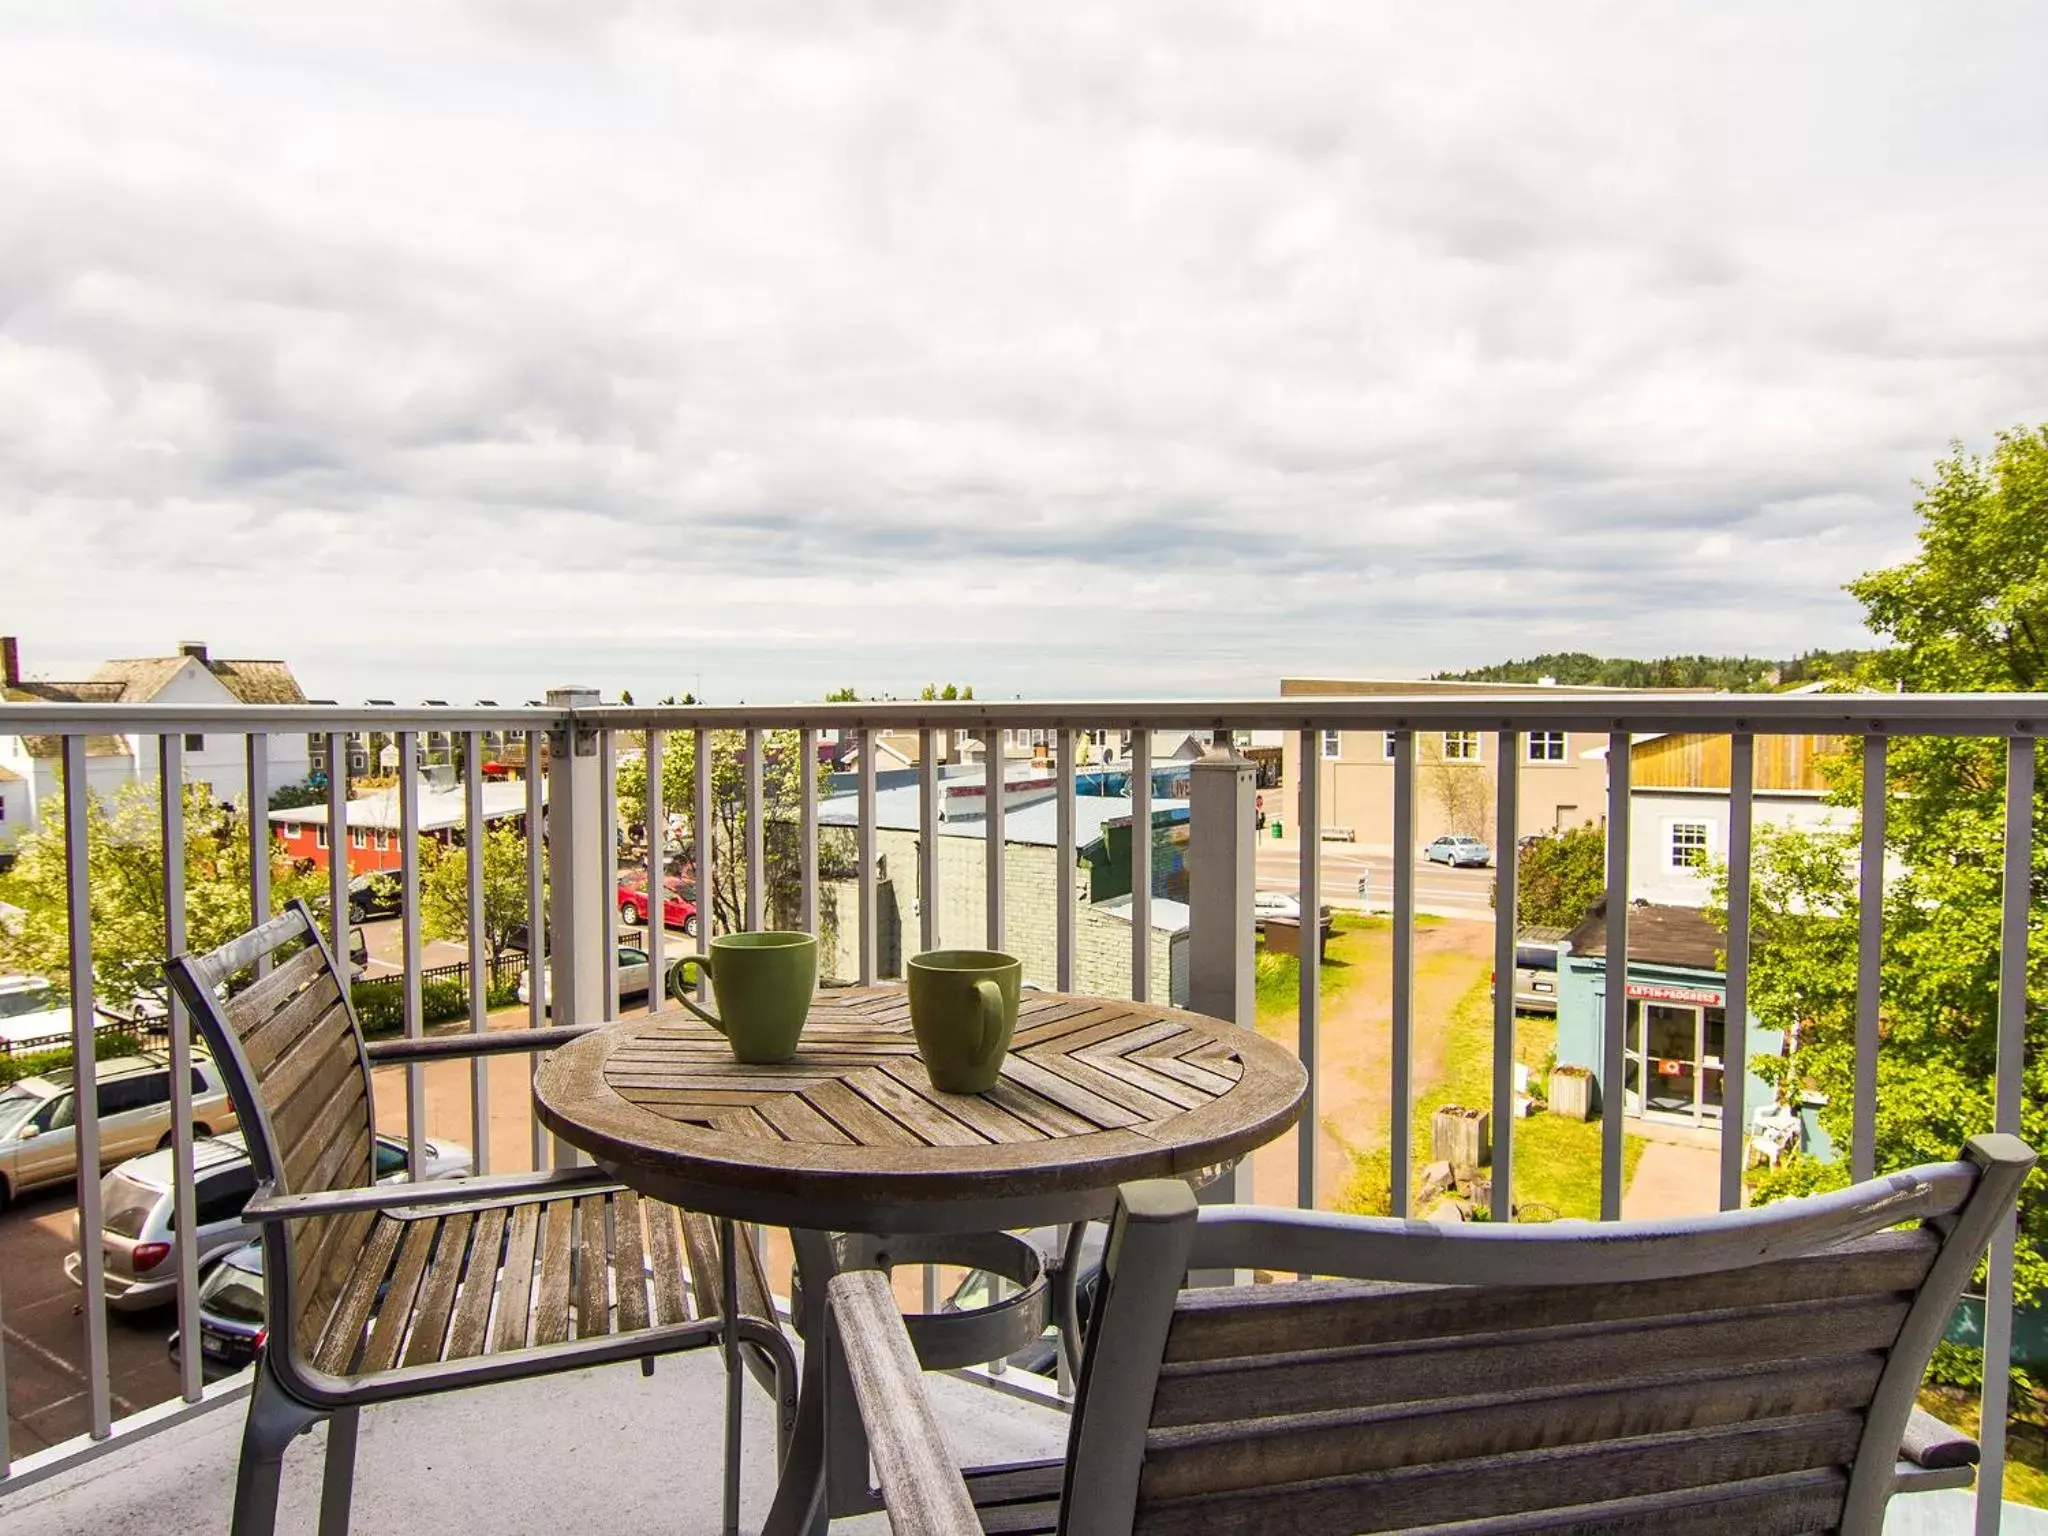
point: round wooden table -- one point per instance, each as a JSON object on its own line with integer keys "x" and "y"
{"x": 850, "y": 1136}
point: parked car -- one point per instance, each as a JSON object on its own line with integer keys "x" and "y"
{"x": 979, "y": 1288}
{"x": 231, "y": 1322}
{"x": 139, "y": 1237}
{"x": 1286, "y": 904}
{"x": 375, "y": 895}
{"x": 678, "y": 904}
{"x": 1459, "y": 852}
{"x": 632, "y": 964}
{"x": 39, "y": 1117}
{"x": 1536, "y": 952}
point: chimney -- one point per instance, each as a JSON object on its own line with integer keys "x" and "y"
{"x": 196, "y": 649}
{"x": 10, "y": 661}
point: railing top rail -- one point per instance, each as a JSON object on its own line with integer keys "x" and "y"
{"x": 35, "y": 717}
{"x": 1820, "y": 714}
{"x": 1797, "y": 713}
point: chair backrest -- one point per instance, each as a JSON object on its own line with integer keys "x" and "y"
{"x": 1750, "y": 1371}
{"x": 291, "y": 1052}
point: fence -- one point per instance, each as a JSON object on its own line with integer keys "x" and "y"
{"x": 1524, "y": 734}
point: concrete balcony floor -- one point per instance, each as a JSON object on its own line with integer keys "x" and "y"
{"x": 604, "y": 1449}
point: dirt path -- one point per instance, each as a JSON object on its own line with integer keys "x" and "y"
{"x": 1355, "y": 1050}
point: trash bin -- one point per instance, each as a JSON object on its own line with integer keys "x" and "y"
{"x": 1276, "y": 831}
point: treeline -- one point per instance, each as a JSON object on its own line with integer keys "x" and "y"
{"x": 1732, "y": 674}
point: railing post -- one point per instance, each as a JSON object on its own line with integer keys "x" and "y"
{"x": 1222, "y": 851}
{"x": 578, "y": 972}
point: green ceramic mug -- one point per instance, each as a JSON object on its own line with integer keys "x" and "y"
{"x": 963, "y": 1008}
{"x": 764, "y": 983}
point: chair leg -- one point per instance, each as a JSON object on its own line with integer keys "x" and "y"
{"x": 729, "y": 1261}
{"x": 275, "y": 1420}
{"x": 338, "y": 1484}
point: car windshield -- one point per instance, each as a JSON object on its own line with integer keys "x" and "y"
{"x": 234, "y": 1291}
{"x": 24, "y": 1001}
{"x": 17, "y": 1103}
{"x": 126, "y": 1205}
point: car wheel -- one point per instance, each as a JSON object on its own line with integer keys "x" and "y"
{"x": 358, "y": 913}
{"x": 628, "y": 914}
{"x": 690, "y": 925}
{"x": 6, "y": 1195}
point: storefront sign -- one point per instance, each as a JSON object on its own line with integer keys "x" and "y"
{"x": 1657, "y": 992}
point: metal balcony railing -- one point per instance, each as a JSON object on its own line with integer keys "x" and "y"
{"x": 576, "y": 926}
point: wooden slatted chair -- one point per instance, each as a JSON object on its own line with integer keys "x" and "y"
{"x": 377, "y": 1292}
{"x": 1753, "y": 1372}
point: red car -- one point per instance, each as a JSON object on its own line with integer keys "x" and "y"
{"x": 677, "y": 909}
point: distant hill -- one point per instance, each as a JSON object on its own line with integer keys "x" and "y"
{"x": 1733, "y": 674}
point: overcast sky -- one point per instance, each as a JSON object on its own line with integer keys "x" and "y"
{"x": 1063, "y": 349}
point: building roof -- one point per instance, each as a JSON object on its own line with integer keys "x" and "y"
{"x": 53, "y": 746}
{"x": 139, "y": 679}
{"x": 1034, "y": 825}
{"x": 440, "y": 809}
{"x": 1657, "y": 935}
{"x": 9, "y": 776}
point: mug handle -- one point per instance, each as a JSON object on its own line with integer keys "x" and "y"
{"x": 677, "y": 983}
{"x": 991, "y": 998}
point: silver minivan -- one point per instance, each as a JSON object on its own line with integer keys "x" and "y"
{"x": 139, "y": 1236}
{"x": 39, "y": 1117}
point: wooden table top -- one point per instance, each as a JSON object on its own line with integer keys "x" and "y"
{"x": 850, "y": 1135}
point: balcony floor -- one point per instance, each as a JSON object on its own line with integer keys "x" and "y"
{"x": 603, "y": 1449}
{"x": 595, "y": 1447}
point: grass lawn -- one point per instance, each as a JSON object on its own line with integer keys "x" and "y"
{"x": 1278, "y": 979}
{"x": 1556, "y": 1161}
{"x": 2026, "y": 1445}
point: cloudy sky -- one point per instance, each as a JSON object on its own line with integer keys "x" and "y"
{"x": 762, "y": 347}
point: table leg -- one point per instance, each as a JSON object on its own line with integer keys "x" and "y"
{"x": 799, "y": 1507}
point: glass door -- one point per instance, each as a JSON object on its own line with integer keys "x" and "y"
{"x": 1671, "y": 1048}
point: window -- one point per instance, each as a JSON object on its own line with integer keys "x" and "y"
{"x": 60, "y": 1114}
{"x": 1461, "y": 746}
{"x": 291, "y": 829}
{"x": 358, "y": 762}
{"x": 1390, "y": 745}
{"x": 384, "y": 842}
{"x": 358, "y": 838}
{"x": 1330, "y": 744}
{"x": 221, "y": 1196}
{"x": 1688, "y": 844}
{"x": 390, "y": 1159}
{"x": 320, "y": 835}
{"x": 144, "y": 1090}
{"x": 1546, "y": 746}
{"x": 194, "y": 743}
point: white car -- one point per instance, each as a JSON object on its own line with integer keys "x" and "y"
{"x": 1267, "y": 904}
{"x": 632, "y": 964}
{"x": 139, "y": 1242}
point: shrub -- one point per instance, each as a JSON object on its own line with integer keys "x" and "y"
{"x": 379, "y": 1005}
{"x": 443, "y": 999}
{"x": 106, "y": 1046}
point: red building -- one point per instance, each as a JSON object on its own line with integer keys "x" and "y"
{"x": 372, "y": 824}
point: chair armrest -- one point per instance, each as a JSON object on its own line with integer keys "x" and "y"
{"x": 499, "y": 1042}
{"x": 921, "y": 1487}
{"x": 1931, "y": 1444}
{"x": 387, "y": 1197}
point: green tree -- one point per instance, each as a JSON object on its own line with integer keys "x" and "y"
{"x": 781, "y": 824}
{"x": 947, "y": 692}
{"x": 842, "y": 696}
{"x": 444, "y": 888}
{"x": 1559, "y": 879}
{"x": 289, "y": 797}
{"x": 125, "y": 867}
{"x": 1968, "y": 613}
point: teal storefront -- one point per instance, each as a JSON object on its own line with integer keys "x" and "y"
{"x": 1674, "y": 1043}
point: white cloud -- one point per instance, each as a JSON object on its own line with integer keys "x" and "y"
{"x": 1145, "y": 348}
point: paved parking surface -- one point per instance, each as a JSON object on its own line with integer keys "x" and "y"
{"x": 44, "y": 1331}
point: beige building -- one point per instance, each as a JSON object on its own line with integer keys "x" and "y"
{"x": 1562, "y": 777}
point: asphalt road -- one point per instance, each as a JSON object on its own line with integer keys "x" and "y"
{"x": 43, "y": 1328}
{"x": 1438, "y": 889}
